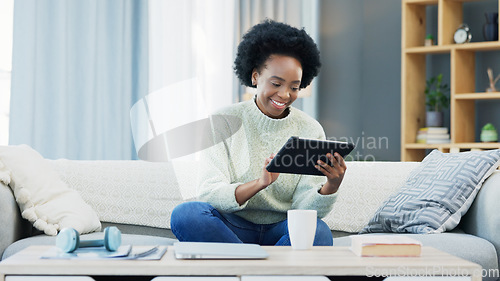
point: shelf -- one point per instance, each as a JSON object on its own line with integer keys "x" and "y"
{"x": 422, "y": 2}
{"x": 428, "y": 50}
{"x": 427, "y": 146}
{"x": 437, "y": 49}
{"x": 464, "y": 0}
{"x": 482, "y": 145}
{"x": 478, "y": 96}
{"x": 478, "y": 46}
{"x": 435, "y": 2}
{"x": 418, "y": 62}
{"x": 464, "y": 145}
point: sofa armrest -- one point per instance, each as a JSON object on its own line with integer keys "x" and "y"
{"x": 483, "y": 217}
{"x": 13, "y": 226}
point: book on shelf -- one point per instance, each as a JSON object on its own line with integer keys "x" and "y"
{"x": 433, "y": 135}
{"x": 444, "y": 138}
{"x": 437, "y": 141}
{"x": 396, "y": 245}
{"x": 433, "y": 130}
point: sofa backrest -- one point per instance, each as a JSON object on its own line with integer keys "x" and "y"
{"x": 365, "y": 187}
{"x": 483, "y": 217}
{"x": 125, "y": 192}
{"x": 145, "y": 193}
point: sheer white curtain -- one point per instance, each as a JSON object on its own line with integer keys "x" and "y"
{"x": 191, "y": 52}
{"x": 190, "y": 71}
{"x": 192, "y": 41}
{"x": 77, "y": 67}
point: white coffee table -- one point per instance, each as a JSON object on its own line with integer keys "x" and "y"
{"x": 320, "y": 261}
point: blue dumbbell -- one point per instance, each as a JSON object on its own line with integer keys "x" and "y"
{"x": 68, "y": 240}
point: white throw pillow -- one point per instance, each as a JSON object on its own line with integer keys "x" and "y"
{"x": 44, "y": 199}
{"x": 366, "y": 185}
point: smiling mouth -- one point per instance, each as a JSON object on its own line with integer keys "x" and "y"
{"x": 277, "y": 104}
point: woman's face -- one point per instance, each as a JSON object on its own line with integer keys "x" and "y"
{"x": 277, "y": 85}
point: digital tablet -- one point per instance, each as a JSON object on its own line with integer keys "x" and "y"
{"x": 300, "y": 155}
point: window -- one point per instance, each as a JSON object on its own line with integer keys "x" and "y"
{"x": 6, "y": 28}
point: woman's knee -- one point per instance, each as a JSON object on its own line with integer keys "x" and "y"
{"x": 323, "y": 234}
{"x": 188, "y": 212}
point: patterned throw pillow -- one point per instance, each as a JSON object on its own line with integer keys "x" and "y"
{"x": 436, "y": 194}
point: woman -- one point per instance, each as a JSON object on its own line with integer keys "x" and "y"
{"x": 243, "y": 202}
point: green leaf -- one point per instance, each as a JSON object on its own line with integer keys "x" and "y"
{"x": 489, "y": 127}
{"x": 437, "y": 93}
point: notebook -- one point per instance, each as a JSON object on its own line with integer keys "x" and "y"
{"x": 212, "y": 250}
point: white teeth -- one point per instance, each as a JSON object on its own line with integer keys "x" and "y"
{"x": 278, "y": 103}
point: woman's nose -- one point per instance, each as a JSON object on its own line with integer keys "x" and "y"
{"x": 284, "y": 93}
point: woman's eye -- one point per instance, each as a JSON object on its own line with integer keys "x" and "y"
{"x": 275, "y": 84}
{"x": 295, "y": 89}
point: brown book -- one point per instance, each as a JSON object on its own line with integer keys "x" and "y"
{"x": 385, "y": 246}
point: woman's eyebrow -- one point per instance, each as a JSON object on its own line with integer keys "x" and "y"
{"x": 281, "y": 79}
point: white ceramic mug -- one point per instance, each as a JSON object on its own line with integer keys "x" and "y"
{"x": 302, "y": 228}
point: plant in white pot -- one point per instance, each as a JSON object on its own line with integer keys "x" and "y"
{"x": 489, "y": 133}
{"x": 437, "y": 99}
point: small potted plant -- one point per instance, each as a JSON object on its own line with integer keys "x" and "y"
{"x": 437, "y": 99}
{"x": 429, "y": 40}
{"x": 489, "y": 133}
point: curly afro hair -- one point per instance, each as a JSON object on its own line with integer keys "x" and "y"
{"x": 270, "y": 37}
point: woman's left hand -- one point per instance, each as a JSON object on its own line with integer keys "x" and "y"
{"x": 334, "y": 173}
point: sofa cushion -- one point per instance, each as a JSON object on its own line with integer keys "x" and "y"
{"x": 141, "y": 230}
{"x": 366, "y": 185}
{"x": 436, "y": 194}
{"x": 43, "y": 198}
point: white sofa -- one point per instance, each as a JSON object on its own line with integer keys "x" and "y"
{"x": 139, "y": 196}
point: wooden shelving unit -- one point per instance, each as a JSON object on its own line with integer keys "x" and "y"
{"x": 463, "y": 93}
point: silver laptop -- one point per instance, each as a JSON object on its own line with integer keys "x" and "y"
{"x": 211, "y": 250}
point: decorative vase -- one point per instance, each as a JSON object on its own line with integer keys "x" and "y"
{"x": 490, "y": 28}
{"x": 434, "y": 119}
{"x": 488, "y": 133}
{"x": 489, "y": 136}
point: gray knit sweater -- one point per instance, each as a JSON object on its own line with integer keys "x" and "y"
{"x": 240, "y": 159}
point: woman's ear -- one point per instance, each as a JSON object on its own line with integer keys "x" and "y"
{"x": 255, "y": 77}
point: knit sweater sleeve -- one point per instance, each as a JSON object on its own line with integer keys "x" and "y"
{"x": 307, "y": 194}
{"x": 215, "y": 184}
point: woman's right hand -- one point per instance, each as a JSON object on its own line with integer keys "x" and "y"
{"x": 267, "y": 177}
{"x": 249, "y": 189}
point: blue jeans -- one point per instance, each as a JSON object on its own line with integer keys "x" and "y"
{"x": 200, "y": 222}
